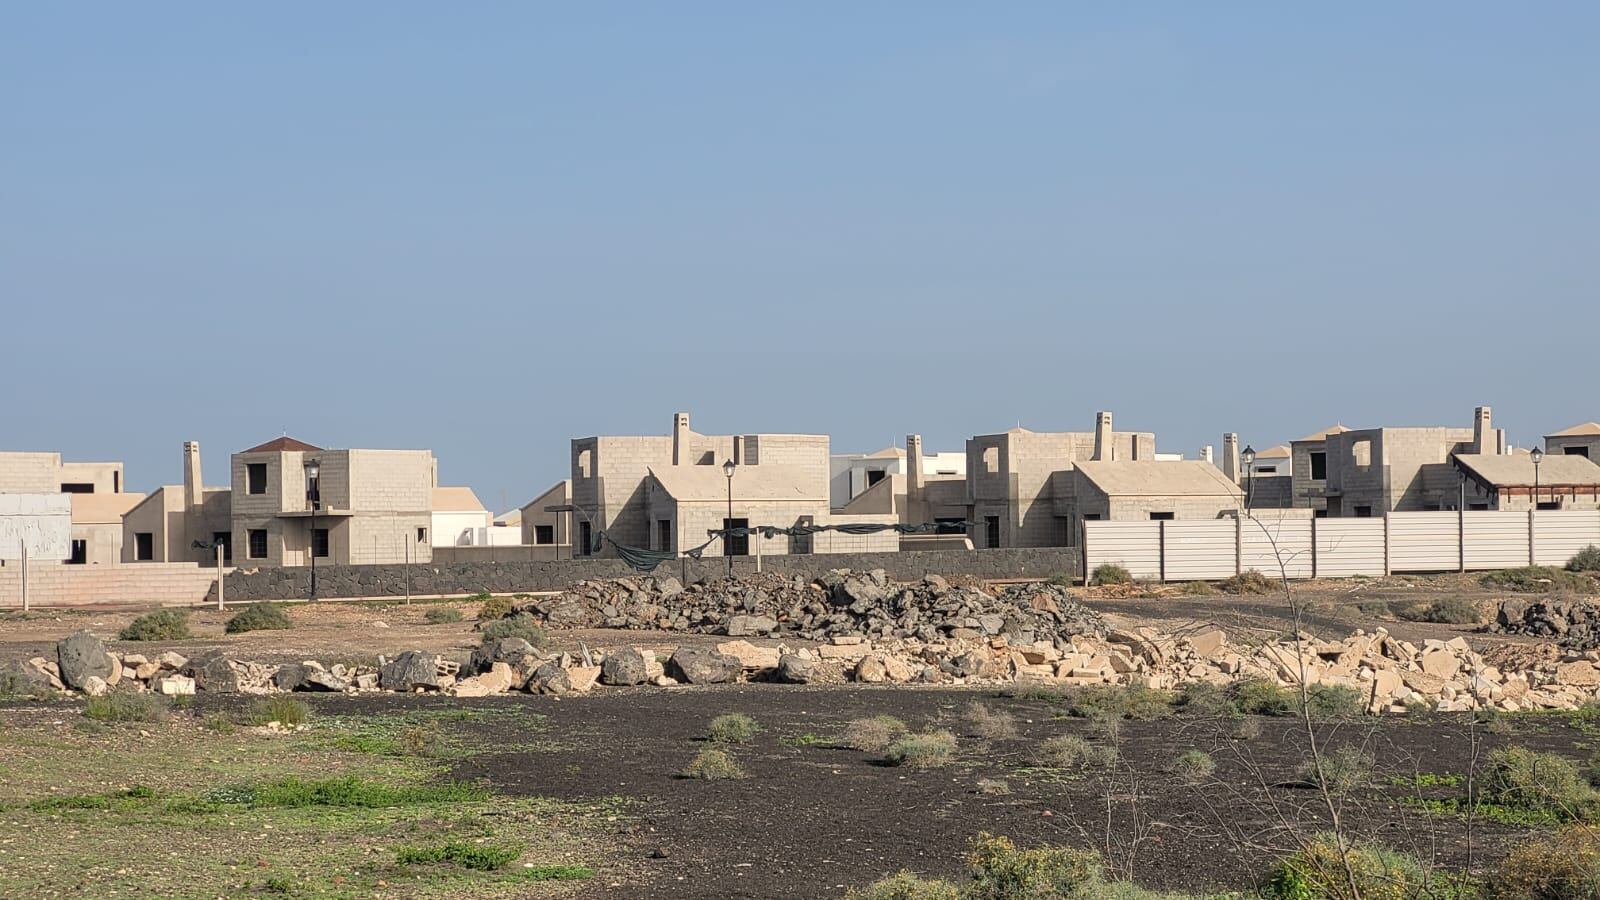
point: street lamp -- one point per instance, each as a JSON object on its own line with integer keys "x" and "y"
{"x": 727, "y": 549}
{"x": 313, "y": 467}
{"x": 1249, "y": 457}
{"x": 1537, "y": 456}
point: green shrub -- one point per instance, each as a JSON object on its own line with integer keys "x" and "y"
{"x": 905, "y": 886}
{"x": 1062, "y": 579}
{"x": 493, "y": 608}
{"x": 1199, "y": 589}
{"x": 442, "y": 615}
{"x": 1536, "y": 781}
{"x": 161, "y": 625}
{"x": 517, "y": 626}
{"x": 1110, "y": 573}
{"x": 1317, "y": 872}
{"x": 1374, "y": 607}
{"x": 1537, "y": 580}
{"x": 483, "y": 857}
{"x": 733, "y": 728}
{"x": 127, "y": 706}
{"x": 1343, "y": 770}
{"x": 1444, "y": 611}
{"x": 1203, "y": 698}
{"x": 928, "y": 750}
{"x": 348, "y": 791}
{"x": 1069, "y": 751}
{"x": 991, "y": 724}
{"x": 1566, "y": 867}
{"x": 1585, "y": 560}
{"x": 259, "y": 617}
{"x": 1002, "y": 871}
{"x": 1127, "y": 701}
{"x": 420, "y": 740}
{"x": 1250, "y": 581}
{"x": 1335, "y": 701}
{"x": 1262, "y": 697}
{"x": 872, "y": 735}
{"x": 218, "y": 723}
{"x": 1194, "y": 765}
{"x": 284, "y": 710}
{"x": 712, "y": 764}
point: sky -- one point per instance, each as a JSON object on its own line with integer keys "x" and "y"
{"x": 489, "y": 228}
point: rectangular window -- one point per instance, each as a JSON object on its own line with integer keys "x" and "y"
{"x": 991, "y": 531}
{"x": 422, "y": 535}
{"x": 116, "y": 482}
{"x": 224, "y": 539}
{"x": 1478, "y": 507}
{"x": 319, "y": 542}
{"x": 1550, "y": 504}
{"x": 1319, "y": 514}
{"x": 258, "y": 543}
{"x": 585, "y": 538}
{"x": 77, "y": 487}
{"x": 949, "y": 525}
{"x": 1319, "y": 466}
{"x": 1576, "y": 451}
{"x": 1363, "y": 512}
{"x": 144, "y": 546}
{"x": 664, "y": 534}
{"x": 736, "y": 545}
{"x": 874, "y": 476}
{"x": 991, "y": 459}
{"x": 544, "y": 534}
{"x": 80, "y": 553}
{"x": 1161, "y": 517}
{"x": 1091, "y": 517}
{"x": 1266, "y": 470}
{"x": 255, "y": 476}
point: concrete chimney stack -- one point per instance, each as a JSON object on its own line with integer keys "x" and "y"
{"x": 1483, "y": 439}
{"x": 1206, "y": 454}
{"x": 915, "y": 478}
{"x": 193, "y": 485}
{"x": 1230, "y": 456}
{"x": 1103, "y": 446}
{"x": 680, "y": 439}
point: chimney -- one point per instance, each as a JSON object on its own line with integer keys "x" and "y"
{"x": 1230, "y": 456}
{"x": 914, "y": 475}
{"x": 1482, "y": 438}
{"x": 193, "y": 486}
{"x": 680, "y": 438}
{"x": 1206, "y": 454}
{"x": 1102, "y": 436}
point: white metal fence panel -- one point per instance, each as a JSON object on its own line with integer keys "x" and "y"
{"x": 1199, "y": 551}
{"x": 1263, "y": 542}
{"x": 40, "y": 522}
{"x": 1424, "y": 542}
{"x": 1495, "y": 540}
{"x": 1559, "y": 534}
{"x": 1136, "y": 546}
{"x": 1349, "y": 547}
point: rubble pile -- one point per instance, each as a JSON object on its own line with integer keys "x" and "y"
{"x": 841, "y": 603}
{"x": 1571, "y": 623}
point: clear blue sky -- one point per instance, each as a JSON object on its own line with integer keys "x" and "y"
{"x": 488, "y": 228}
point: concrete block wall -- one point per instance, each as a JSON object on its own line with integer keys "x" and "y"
{"x": 29, "y": 473}
{"x": 147, "y": 584}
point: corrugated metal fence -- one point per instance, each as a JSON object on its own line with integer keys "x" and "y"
{"x": 1331, "y": 548}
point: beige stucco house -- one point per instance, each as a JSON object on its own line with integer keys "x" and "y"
{"x": 1511, "y": 482}
{"x": 27, "y": 472}
{"x": 1579, "y": 440}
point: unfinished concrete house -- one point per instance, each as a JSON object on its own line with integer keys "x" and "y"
{"x": 1375, "y": 471}
{"x": 1133, "y": 490}
{"x": 543, "y": 527}
{"x": 853, "y": 474}
{"x": 1019, "y": 482}
{"x": 459, "y": 518}
{"x": 656, "y": 492}
{"x": 97, "y": 527}
{"x": 1512, "y": 483}
{"x": 1308, "y": 470}
{"x": 165, "y": 525}
{"x": 25, "y": 472}
{"x": 1269, "y": 483}
{"x": 1579, "y": 440}
{"x": 918, "y": 497}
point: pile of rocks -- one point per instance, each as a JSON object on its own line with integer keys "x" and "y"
{"x": 84, "y": 664}
{"x": 841, "y": 603}
{"x": 1572, "y": 623}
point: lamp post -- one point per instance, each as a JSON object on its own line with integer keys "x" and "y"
{"x": 1537, "y": 456}
{"x": 727, "y": 549}
{"x": 313, "y": 467}
{"x": 1249, "y": 458}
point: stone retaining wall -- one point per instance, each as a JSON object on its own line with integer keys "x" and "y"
{"x": 511, "y": 577}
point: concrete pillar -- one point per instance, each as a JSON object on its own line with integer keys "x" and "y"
{"x": 1103, "y": 449}
{"x": 1230, "y": 456}
{"x": 1205, "y": 454}
{"x": 680, "y": 439}
{"x": 193, "y": 484}
{"x": 1483, "y": 440}
{"x": 914, "y": 476}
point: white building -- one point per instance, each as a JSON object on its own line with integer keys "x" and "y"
{"x": 850, "y": 474}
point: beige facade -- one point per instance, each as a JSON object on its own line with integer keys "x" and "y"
{"x": 1381, "y": 470}
{"x": 543, "y": 528}
{"x": 1020, "y": 486}
{"x": 97, "y": 527}
{"x": 45, "y": 473}
{"x": 1512, "y": 483}
{"x": 1146, "y": 490}
{"x": 1579, "y": 440}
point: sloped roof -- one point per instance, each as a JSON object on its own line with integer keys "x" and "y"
{"x": 1517, "y": 471}
{"x": 1323, "y": 434}
{"x": 456, "y": 499}
{"x": 691, "y": 483}
{"x": 1587, "y": 429}
{"x": 280, "y": 445}
{"x": 887, "y": 453}
{"x": 1281, "y": 451}
{"x": 1158, "y": 478}
{"x": 102, "y": 509}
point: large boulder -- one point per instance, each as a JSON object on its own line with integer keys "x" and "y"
{"x": 22, "y": 678}
{"x": 794, "y": 669}
{"x": 624, "y": 667}
{"x": 509, "y": 650}
{"x": 550, "y": 678}
{"x": 410, "y": 670}
{"x": 213, "y": 673}
{"x": 698, "y": 665}
{"x": 289, "y": 677}
{"x": 751, "y": 626}
{"x": 82, "y": 656}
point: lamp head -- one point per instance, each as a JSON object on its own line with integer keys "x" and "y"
{"x": 728, "y": 467}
